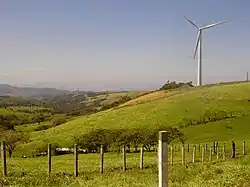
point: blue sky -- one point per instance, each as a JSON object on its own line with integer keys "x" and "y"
{"x": 110, "y": 44}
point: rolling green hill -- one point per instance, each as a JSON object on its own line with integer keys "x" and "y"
{"x": 178, "y": 109}
{"x": 205, "y": 114}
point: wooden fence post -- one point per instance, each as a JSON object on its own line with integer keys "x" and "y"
{"x": 224, "y": 151}
{"x": 163, "y": 159}
{"x": 202, "y": 153}
{"x": 141, "y": 158}
{"x": 49, "y": 159}
{"x": 4, "y": 163}
{"x": 194, "y": 153}
{"x": 233, "y": 149}
{"x": 172, "y": 155}
{"x": 217, "y": 151}
{"x": 76, "y": 160}
{"x": 244, "y": 147}
{"x": 101, "y": 159}
{"x": 183, "y": 154}
{"x": 124, "y": 157}
{"x": 214, "y": 148}
{"x": 217, "y": 147}
{"x": 210, "y": 154}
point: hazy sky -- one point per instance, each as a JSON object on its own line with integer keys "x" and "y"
{"x": 104, "y": 44}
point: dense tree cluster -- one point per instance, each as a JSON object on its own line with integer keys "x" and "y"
{"x": 173, "y": 85}
{"x": 114, "y": 139}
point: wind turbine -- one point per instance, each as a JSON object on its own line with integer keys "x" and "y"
{"x": 199, "y": 44}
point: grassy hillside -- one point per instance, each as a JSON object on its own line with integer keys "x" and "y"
{"x": 147, "y": 98}
{"x": 20, "y": 112}
{"x": 8, "y": 111}
{"x": 172, "y": 110}
{"x": 153, "y": 96}
{"x": 109, "y": 98}
{"x": 15, "y": 111}
{"x": 238, "y": 129}
{"x": 168, "y": 89}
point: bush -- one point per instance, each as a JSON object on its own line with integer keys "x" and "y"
{"x": 42, "y": 148}
{"x": 58, "y": 120}
{"x": 43, "y": 127}
{"x": 114, "y": 104}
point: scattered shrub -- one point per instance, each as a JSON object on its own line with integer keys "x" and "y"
{"x": 58, "y": 120}
{"x": 42, "y": 148}
{"x": 39, "y": 118}
{"x": 211, "y": 117}
{"x": 114, "y": 104}
{"x": 43, "y": 127}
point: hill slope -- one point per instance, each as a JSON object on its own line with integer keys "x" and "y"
{"x": 173, "y": 110}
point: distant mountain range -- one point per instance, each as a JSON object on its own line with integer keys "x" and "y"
{"x": 30, "y": 92}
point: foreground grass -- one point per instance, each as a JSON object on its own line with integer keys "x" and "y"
{"x": 33, "y": 172}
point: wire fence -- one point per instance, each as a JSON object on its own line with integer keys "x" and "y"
{"x": 178, "y": 154}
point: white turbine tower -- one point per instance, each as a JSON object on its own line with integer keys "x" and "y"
{"x": 199, "y": 44}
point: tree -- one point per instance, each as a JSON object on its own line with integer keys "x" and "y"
{"x": 173, "y": 85}
{"x": 38, "y": 118}
{"x": 94, "y": 139}
{"x": 8, "y": 122}
{"x": 12, "y": 138}
{"x": 136, "y": 137}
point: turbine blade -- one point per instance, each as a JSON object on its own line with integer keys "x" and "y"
{"x": 213, "y": 25}
{"x": 197, "y": 43}
{"x": 191, "y": 22}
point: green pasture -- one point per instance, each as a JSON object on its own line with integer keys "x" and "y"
{"x": 173, "y": 110}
